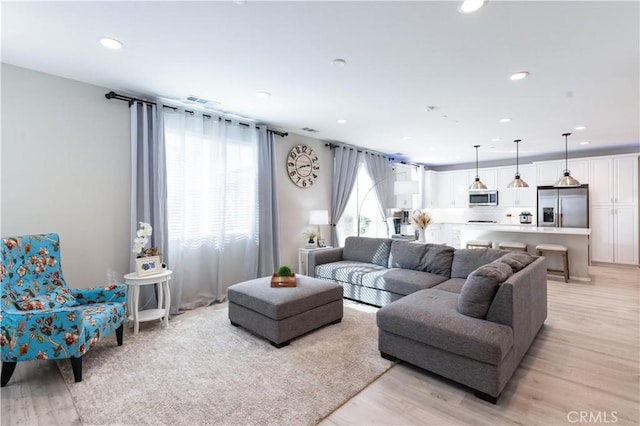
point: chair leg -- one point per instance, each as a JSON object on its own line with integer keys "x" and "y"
{"x": 7, "y": 371}
{"x": 119, "y": 331}
{"x": 565, "y": 260}
{"x": 76, "y": 365}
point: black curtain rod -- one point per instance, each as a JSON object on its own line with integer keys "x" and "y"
{"x": 333, "y": 146}
{"x": 131, "y": 101}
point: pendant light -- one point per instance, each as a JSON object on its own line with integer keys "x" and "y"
{"x": 566, "y": 179}
{"x": 477, "y": 184}
{"x": 517, "y": 182}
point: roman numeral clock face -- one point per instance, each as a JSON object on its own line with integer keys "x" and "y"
{"x": 302, "y": 166}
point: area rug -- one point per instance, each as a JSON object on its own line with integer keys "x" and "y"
{"x": 202, "y": 370}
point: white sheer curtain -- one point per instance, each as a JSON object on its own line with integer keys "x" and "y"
{"x": 212, "y": 191}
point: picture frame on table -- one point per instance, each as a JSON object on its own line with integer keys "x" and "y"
{"x": 149, "y": 265}
{"x": 322, "y": 243}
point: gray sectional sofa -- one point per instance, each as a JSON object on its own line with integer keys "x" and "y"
{"x": 469, "y": 315}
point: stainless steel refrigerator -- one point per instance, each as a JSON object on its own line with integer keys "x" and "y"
{"x": 563, "y": 207}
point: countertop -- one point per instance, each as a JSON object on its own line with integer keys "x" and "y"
{"x": 498, "y": 227}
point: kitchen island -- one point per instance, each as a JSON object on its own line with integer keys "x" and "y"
{"x": 575, "y": 239}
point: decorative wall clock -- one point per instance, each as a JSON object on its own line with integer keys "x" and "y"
{"x": 303, "y": 166}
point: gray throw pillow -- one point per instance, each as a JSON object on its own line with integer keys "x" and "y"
{"x": 466, "y": 261}
{"x": 517, "y": 260}
{"x": 480, "y": 287}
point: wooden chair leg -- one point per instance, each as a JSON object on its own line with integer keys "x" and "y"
{"x": 76, "y": 365}
{"x": 119, "y": 332}
{"x": 565, "y": 260}
{"x": 7, "y": 371}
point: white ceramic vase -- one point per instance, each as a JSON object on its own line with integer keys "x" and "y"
{"x": 422, "y": 235}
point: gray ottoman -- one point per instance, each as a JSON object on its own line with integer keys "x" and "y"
{"x": 281, "y": 314}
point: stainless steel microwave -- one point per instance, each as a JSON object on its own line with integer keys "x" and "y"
{"x": 483, "y": 198}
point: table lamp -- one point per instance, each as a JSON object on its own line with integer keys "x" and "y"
{"x": 319, "y": 217}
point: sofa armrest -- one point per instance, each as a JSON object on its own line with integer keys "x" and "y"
{"x": 321, "y": 257}
{"x": 521, "y": 303}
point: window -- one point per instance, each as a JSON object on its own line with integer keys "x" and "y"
{"x": 211, "y": 182}
{"x": 372, "y": 224}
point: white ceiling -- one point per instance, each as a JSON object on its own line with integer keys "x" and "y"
{"x": 401, "y": 57}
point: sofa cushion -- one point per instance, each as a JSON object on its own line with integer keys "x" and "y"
{"x": 481, "y": 286}
{"x": 430, "y": 317}
{"x": 367, "y": 250}
{"x": 433, "y": 258}
{"x": 466, "y": 261}
{"x": 517, "y": 260}
{"x": 453, "y": 285}
{"x": 346, "y": 271}
{"x": 401, "y": 281}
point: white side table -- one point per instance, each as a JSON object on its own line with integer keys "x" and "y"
{"x": 303, "y": 258}
{"x": 161, "y": 281}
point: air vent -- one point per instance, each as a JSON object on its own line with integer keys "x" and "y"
{"x": 310, "y": 130}
{"x": 191, "y": 99}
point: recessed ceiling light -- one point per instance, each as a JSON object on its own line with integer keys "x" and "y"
{"x": 444, "y": 116}
{"x": 505, "y": 120}
{"x": 469, "y": 6}
{"x": 495, "y": 140}
{"x": 263, "y": 95}
{"x": 406, "y": 138}
{"x": 580, "y": 127}
{"x": 519, "y": 75}
{"x": 338, "y": 62}
{"x": 584, "y": 143}
{"x": 342, "y": 121}
{"x": 111, "y": 43}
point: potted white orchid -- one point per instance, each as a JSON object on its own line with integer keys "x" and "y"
{"x": 142, "y": 238}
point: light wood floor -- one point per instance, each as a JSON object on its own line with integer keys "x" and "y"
{"x": 585, "y": 359}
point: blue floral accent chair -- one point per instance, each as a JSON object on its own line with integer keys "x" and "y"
{"x": 41, "y": 317}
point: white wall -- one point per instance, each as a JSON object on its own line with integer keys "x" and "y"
{"x": 65, "y": 168}
{"x": 296, "y": 203}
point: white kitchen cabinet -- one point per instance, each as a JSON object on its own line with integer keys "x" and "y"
{"x": 433, "y": 233}
{"x": 429, "y": 190}
{"x": 614, "y": 234}
{"x": 453, "y": 189}
{"x": 450, "y": 234}
{"x": 517, "y": 197}
{"x": 488, "y": 176}
{"x": 614, "y": 209}
{"x": 548, "y": 172}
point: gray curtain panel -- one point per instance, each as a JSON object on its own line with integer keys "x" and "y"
{"x": 268, "y": 229}
{"x": 148, "y": 184}
{"x": 380, "y": 172}
{"x": 345, "y": 172}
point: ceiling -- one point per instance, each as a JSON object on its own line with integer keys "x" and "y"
{"x": 401, "y": 58}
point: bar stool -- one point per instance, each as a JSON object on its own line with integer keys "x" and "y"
{"x": 512, "y": 246}
{"x": 541, "y": 249}
{"x": 479, "y": 244}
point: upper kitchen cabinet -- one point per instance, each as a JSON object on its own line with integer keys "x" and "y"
{"x": 429, "y": 190}
{"x": 517, "y": 197}
{"x": 453, "y": 188}
{"x": 487, "y": 176}
{"x": 548, "y": 172}
{"x": 614, "y": 180}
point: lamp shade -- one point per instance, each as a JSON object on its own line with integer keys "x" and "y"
{"x": 405, "y": 187}
{"x": 319, "y": 217}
